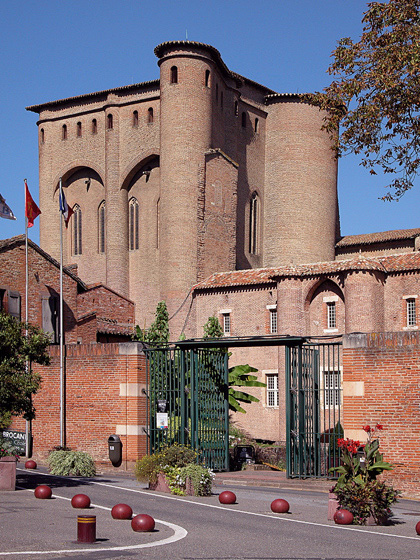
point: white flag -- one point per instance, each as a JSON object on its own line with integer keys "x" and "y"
{"x": 5, "y": 210}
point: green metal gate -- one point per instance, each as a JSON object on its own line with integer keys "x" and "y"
{"x": 188, "y": 402}
{"x": 313, "y": 409}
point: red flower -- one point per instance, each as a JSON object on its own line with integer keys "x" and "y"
{"x": 367, "y": 429}
{"x": 379, "y": 427}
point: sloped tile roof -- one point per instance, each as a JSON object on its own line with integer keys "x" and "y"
{"x": 379, "y": 237}
{"x": 388, "y": 264}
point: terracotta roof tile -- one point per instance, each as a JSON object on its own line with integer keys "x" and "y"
{"x": 379, "y": 237}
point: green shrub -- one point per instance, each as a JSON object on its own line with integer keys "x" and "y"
{"x": 147, "y": 468}
{"x": 71, "y": 463}
{"x": 201, "y": 479}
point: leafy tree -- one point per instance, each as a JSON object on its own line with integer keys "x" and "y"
{"x": 18, "y": 382}
{"x": 238, "y": 376}
{"x": 376, "y": 98}
{"x": 158, "y": 332}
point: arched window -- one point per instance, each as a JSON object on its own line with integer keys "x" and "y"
{"x": 135, "y": 118}
{"x": 150, "y": 115}
{"x": 110, "y": 122}
{"x": 101, "y": 227}
{"x": 256, "y": 126}
{"x": 244, "y": 120}
{"x": 79, "y": 129}
{"x": 42, "y": 136}
{"x": 133, "y": 224}
{"x": 207, "y": 78}
{"x": 236, "y": 109}
{"x": 254, "y": 209}
{"x": 174, "y": 75}
{"x": 94, "y": 126}
{"x": 77, "y": 230}
{"x": 64, "y": 132}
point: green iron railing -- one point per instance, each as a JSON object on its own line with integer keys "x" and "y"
{"x": 313, "y": 409}
{"x": 188, "y": 388}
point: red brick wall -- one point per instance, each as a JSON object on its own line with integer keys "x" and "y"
{"x": 381, "y": 379}
{"x": 103, "y": 397}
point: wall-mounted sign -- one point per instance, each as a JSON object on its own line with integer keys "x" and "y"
{"x": 162, "y": 420}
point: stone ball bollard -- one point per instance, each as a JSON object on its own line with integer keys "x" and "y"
{"x": 142, "y": 523}
{"x": 122, "y": 511}
{"x": 43, "y": 492}
{"x": 227, "y": 497}
{"x": 80, "y": 501}
{"x": 280, "y": 506}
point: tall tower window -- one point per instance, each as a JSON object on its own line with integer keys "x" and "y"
{"x": 77, "y": 230}
{"x": 217, "y": 92}
{"x": 331, "y": 315}
{"x": 174, "y": 75}
{"x": 256, "y": 126}
{"x": 79, "y": 129}
{"x": 64, "y": 132}
{"x": 150, "y": 115}
{"x": 254, "y": 209}
{"x": 236, "y": 109}
{"x": 207, "y": 78}
{"x": 110, "y": 122}
{"x": 101, "y": 227}
{"x": 42, "y": 136}
{"x": 133, "y": 224}
{"x": 94, "y": 126}
{"x": 244, "y": 120}
{"x": 157, "y": 223}
{"x": 135, "y": 118}
{"x": 411, "y": 312}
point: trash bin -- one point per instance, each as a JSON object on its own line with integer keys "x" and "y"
{"x": 243, "y": 454}
{"x": 115, "y": 450}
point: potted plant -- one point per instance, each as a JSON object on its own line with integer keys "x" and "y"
{"x": 8, "y": 460}
{"x": 357, "y": 488}
{"x": 175, "y": 469}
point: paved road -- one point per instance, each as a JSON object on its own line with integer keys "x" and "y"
{"x": 192, "y": 528}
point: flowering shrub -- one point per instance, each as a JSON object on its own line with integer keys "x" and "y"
{"x": 357, "y": 488}
{"x": 177, "y": 463}
{"x": 7, "y": 449}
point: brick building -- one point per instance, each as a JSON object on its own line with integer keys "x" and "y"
{"x": 92, "y": 313}
{"x": 218, "y": 195}
{"x": 199, "y": 171}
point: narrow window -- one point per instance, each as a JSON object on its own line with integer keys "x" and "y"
{"x": 157, "y": 223}
{"x": 77, "y": 230}
{"x": 332, "y": 388}
{"x": 79, "y": 129}
{"x": 135, "y": 118}
{"x": 101, "y": 227}
{"x": 174, "y": 75}
{"x": 50, "y": 315}
{"x": 226, "y": 323}
{"x": 273, "y": 321}
{"x": 272, "y": 382}
{"x": 207, "y": 78}
{"x": 244, "y": 120}
{"x": 236, "y": 109}
{"x": 64, "y": 132}
{"x": 331, "y": 315}
{"x": 110, "y": 122}
{"x": 411, "y": 312}
{"x": 42, "y": 136}
{"x": 94, "y": 126}
{"x": 256, "y": 126}
{"x": 253, "y": 224}
{"x": 217, "y": 92}
{"x": 221, "y": 99}
{"x": 133, "y": 224}
{"x": 150, "y": 115}
{"x": 14, "y": 304}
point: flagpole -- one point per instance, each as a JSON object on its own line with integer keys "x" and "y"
{"x": 62, "y": 395}
{"x": 27, "y": 424}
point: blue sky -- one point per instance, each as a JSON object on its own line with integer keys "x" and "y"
{"x": 60, "y": 48}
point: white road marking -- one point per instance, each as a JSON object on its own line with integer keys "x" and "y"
{"x": 179, "y": 533}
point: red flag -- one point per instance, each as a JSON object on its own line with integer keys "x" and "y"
{"x": 31, "y": 209}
